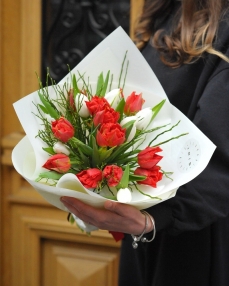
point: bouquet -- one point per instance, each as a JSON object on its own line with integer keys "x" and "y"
{"x": 96, "y": 135}
{"x": 108, "y": 131}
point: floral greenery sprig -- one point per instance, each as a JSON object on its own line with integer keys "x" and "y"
{"x": 98, "y": 136}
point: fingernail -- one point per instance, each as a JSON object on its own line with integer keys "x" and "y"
{"x": 64, "y": 200}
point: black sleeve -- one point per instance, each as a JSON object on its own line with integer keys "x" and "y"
{"x": 206, "y": 198}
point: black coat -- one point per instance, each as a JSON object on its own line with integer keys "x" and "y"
{"x": 191, "y": 247}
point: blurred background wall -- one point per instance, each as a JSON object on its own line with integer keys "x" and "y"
{"x": 37, "y": 244}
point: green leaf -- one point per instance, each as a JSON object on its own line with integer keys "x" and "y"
{"x": 124, "y": 182}
{"x": 100, "y": 83}
{"x": 121, "y": 150}
{"x": 93, "y": 132}
{"x": 50, "y": 110}
{"x": 132, "y": 160}
{"x": 120, "y": 108}
{"x": 105, "y": 153}
{"x": 49, "y": 150}
{"x": 157, "y": 108}
{"x": 51, "y": 175}
{"x": 84, "y": 159}
{"x": 75, "y": 86}
{"x": 104, "y": 88}
{"x": 128, "y": 154}
{"x": 95, "y": 157}
{"x": 85, "y": 149}
{"x": 43, "y": 108}
{"x": 136, "y": 178}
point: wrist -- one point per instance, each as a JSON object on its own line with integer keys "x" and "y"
{"x": 149, "y": 226}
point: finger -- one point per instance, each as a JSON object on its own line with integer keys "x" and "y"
{"x": 122, "y": 210}
{"x": 101, "y": 218}
{"x": 78, "y": 208}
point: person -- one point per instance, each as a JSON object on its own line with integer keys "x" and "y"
{"x": 187, "y": 45}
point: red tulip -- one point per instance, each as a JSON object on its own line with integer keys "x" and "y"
{"x": 148, "y": 158}
{"x": 90, "y": 178}
{"x": 62, "y": 129}
{"x": 107, "y": 115}
{"x": 59, "y": 163}
{"x": 152, "y": 176}
{"x": 110, "y": 135}
{"x": 112, "y": 174}
{"x": 96, "y": 104}
{"x": 133, "y": 103}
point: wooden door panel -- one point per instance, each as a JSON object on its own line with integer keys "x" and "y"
{"x": 44, "y": 245}
{"x": 79, "y": 264}
{"x": 38, "y": 245}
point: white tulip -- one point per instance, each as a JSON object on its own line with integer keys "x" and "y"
{"x": 59, "y": 148}
{"x": 144, "y": 118}
{"x": 114, "y": 97}
{"x": 133, "y": 130}
{"x": 124, "y": 195}
{"x": 81, "y": 106}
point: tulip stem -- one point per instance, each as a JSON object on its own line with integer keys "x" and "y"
{"x": 120, "y": 76}
{"x": 166, "y": 174}
{"x": 172, "y": 138}
{"x": 154, "y": 198}
{"x": 163, "y": 132}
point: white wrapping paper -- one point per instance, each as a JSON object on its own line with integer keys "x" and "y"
{"x": 186, "y": 157}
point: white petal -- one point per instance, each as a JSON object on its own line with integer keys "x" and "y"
{"x": 59, "y": 147}
{"x": 133, "y": 130}
{"x": 124, "y": 195}
{"x": 114, "y": 97}
{"x": 128, "y": 119}
{"x": 81, "y": 106}
{"x": 144, "y": 117}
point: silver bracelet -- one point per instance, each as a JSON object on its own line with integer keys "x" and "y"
{"x": 140, "y": 237}
{"x": 154, "y": 229}
{"x": 137, "y": 238}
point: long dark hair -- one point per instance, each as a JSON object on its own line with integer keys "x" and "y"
{"x": 194, "y": 29}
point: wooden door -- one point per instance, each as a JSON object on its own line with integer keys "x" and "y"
{"x": 38, "y": 245}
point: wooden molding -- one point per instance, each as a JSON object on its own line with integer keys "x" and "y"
{"x": 135, "y": 11}
{"x": 30, "y": 53}
{"x": 43, "y": 238}
{"x": 20, "y": 56}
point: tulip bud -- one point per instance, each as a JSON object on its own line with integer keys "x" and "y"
{"x": 133, "y": 103}
{"x": 81, "y": 106}
{"x": 144, "y": 118}
{"x": 124, "y": 195}
{"x": 59, "y": 147}
{"x": 58, "y": 162}
{"x": 114, "y": 97}
{"x": 62, "y": 129}
{"x": 133, "y": 127}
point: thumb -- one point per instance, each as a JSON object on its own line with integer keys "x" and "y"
{"x": 111, "y": 206}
